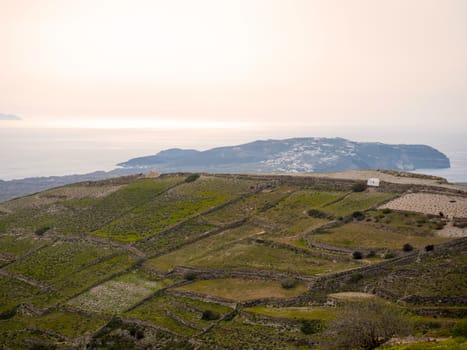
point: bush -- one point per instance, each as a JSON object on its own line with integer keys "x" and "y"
{"x": 460, "y": 328}
{"x": 192, "y": 177}
{"x": 315, "y": 213}
{"x": 41, "y": 230}
{"x": 389, "y": 254}
{"x": 358, "y": 215}
{"x": 371, "y": 254}
{"x": 429, "y": 248}
{"x": 288, "y": 283}
{"x": 311, "y": 326}
{"x": 209, "y": 315}
{"x": 386, "y": 211}
{"x": 407, "y": 247}
{"x": 190, "y": 276}
{"x": 359, "y": 187}
{"x": 357, "y": 255}
{"x": 355, "y": 277}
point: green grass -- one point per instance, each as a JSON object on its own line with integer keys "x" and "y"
{"x": 366, "y": 235}
{"x": 249, "y": 256}
{"x": 57, "y": 261}
{"x": 249, "y": 205}
{"x": 173, "y": 207}
{"x": 221, "y": 241}
{"x": 185, "y": 233}
{"x": 73, "y": 284}
{"x": 79, "y": 216}
{"x": 357, "y": 202}
{"x": 294, "y": 312}
{"x": 16, "y": 246}
{"x": 14, "y": 292}
{"x": 166, "y": 310}
{"x": 241, "y": 289}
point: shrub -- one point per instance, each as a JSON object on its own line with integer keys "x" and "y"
{"x": 460, "y": 328}
{"x": 288, "y": 282}
{"x": 192, "y": 177}
{"x": 429, "y": 247}
{"x": 359, "y": 187}
{"x": 315, "y": 213}
{"x": 357, "y": 255}
{"x": 386, "y": 211}
{"x": 41, "y": 230}
{"x": 358, "y": 215}
{"x": 209, "y": 315}
{"x": 407, "y": 247}
{"x": 311, "y": 326}
{"x": 371, "y": 254}
{"x": 389, "y": 254}
{"x": 355, "y": 277}
{"x": 190, "y": 276}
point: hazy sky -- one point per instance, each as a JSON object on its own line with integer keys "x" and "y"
{"x": 383, "y": 63}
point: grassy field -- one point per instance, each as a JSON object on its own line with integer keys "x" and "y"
{"x": 147, "y": 227}
{"x": 294, "y": 312}
{"x": 167, "y": 311}
{"x": 370, "y": 236}
{"x": 221, "y": 241}
{"x": 357, "y": 201}
{"x": 241, "y": 289}
{"x": 173, "y": 207}
{"x": 58, "y": 261}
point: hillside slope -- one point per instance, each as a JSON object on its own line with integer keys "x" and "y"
{"x": 188, "y": 261}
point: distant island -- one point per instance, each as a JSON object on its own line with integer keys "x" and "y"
{"x": 310, "y": 154}
{"x": 264, "y": 156}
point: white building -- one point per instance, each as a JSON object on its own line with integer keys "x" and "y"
{"x": 374, "y": 182}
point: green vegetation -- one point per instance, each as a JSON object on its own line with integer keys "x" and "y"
{"x": 367, "y": 235}
{"x": 242, "y": 289}
{"x": 178, "y": 262}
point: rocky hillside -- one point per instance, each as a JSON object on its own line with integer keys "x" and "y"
{"x": 199, "y": 261}
{"x": 296, "y": 155}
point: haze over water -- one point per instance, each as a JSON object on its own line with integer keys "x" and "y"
{"x": 28, "y": 152}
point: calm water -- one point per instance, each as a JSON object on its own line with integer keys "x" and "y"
{"x": 45, "y": 152}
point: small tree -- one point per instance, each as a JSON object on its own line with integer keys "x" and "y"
{"x": 364, "y": 325}
{"x": 407, "y": 247}
{"x": 359, "y": 187}
{"x": 357, "y": 255}
{"x": 209, "y": 315}
{"x": 288, "y": 282}
{"x": 192, "y": 177}
{"x": 429, "y": 248}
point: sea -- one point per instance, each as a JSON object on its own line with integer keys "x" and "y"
{"x": 33, "y": 152}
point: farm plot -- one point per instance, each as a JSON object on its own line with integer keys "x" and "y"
{"x": 357, "y": 202}
{"x": 12, "y": 247}
{"x": 188, "y": 231}
{"x": 14, "y": 292}
{"x": 71, "y": 285}
{"x": 370, "y": 236}
{"x": 294, "y": 312}
{"x": 429, "y": 203}
{"x": 241, "y": 333}
{"x": 59, "y": 260}
{"x": 118, "y": 294}
{"x": 183, "y": 316}
{"x": 256, "y": 256}
{"x": 52, "y": 327}
{"x": 196, "y": 250}
{"x": 291, "y": 214}
{"x": 249, "y": 205}
{"x": 82, "y": 215}
{"x": 173, "y": 207}
{"x": 239, "y": 289}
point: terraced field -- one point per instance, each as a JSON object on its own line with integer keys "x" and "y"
{"x": 219, "y": 262}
